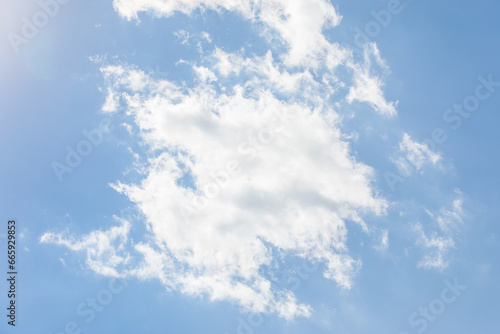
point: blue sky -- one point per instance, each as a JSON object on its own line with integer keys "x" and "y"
{"x": 174, "y": 93}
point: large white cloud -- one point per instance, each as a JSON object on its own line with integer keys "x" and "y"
{"x": 246, "y": 166}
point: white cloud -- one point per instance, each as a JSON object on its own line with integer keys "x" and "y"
{"x": 247, "y": 165}
{"x": 206, "y": 36}
{"x": 297, "y": 23}
{"x": 448, "y": 219}
{"x": 183, "y": 36}
{"x": 265, "y": 72}
{"x": 439, "y": 248}
{"x": 104, "y": 249}
{"x": 112, "y": 102}
{"x": 441, "y": 242}
{"x": 297, "y": 185}
{"x": 204, "y": 74}
{"x": 367, "y": 86}
{"x": 417, "y": 154}
{"x": 131, "y": 8}
{"x": 384, "y": 241}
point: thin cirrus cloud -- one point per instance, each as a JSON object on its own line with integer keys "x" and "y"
{"x": 246, "y": 165}
{"x": 438, "y": 243}
{"x": 438, "y": 247}
{"x": 417, "y": 154}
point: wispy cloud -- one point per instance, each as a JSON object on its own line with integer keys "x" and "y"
{"x": 417, "y": 154}
{"x": 448, "y": 219}
{"x": 383, "y": 241}
{"x": 368, "y": 86}
{"x": 441, "y": 241}
{"x": 438, "y": 245}
{"x": 104, "y": 249}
